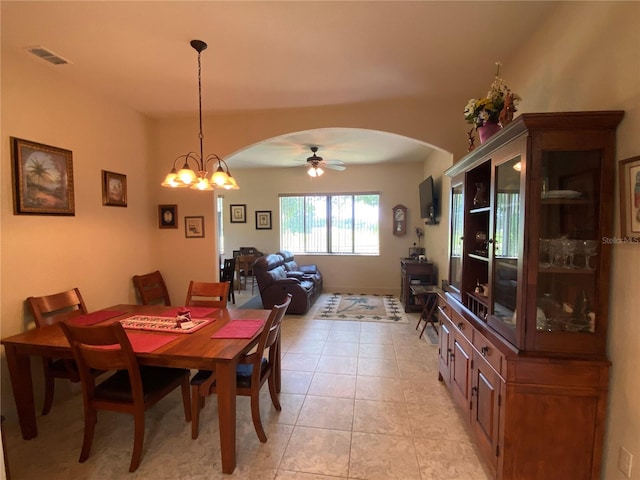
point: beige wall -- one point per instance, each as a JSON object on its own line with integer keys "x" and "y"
{"x": 588, "y": 58}
{"x": 99, "y": 248}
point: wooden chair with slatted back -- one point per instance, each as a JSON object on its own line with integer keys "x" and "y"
{"x": 207, "y": 294}
{"x": 227, "y": 275}
{"x": 244, "y": 268}
{"x": 151, "y": 288}
{"x": 258, "y": 366}
{"x": 47, "y": 310}
{"x": 131, "y": 389}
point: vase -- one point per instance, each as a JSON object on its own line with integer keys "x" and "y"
{"x": 487, "y": 130}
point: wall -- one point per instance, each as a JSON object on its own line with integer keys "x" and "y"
{"x": 99, "y": 248}
{"x": 587, "y": 57}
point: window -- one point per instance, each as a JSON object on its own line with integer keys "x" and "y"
{"x": 330, "y": 224}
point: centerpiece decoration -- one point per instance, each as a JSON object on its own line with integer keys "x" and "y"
{"x": 491, "y": 113}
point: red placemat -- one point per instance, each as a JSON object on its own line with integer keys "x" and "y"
{"x": 196, "y": 312}
{"x": 239, "y": 329}
{"x": 162, "y": 324}
{"x": 94, "y": 317}
{"x": 148, "y": 342}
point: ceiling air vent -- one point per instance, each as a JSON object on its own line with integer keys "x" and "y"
{"x": 47, "y": 55}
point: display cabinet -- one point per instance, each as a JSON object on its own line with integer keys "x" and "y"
{"x": 525, "y": 308}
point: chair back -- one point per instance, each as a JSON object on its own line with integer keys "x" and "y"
{"x": 268, "y": 338}
{"x": 58, "y": 307}
{"x": 228, "y": 270}
{"x": 103, "y": 347}
{"x": 151, "y": 288}
{"x": 205, "y": 294}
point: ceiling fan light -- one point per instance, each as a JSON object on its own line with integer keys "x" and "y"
{"x": 319, "y": 171}
{"x": 312, "y": 172}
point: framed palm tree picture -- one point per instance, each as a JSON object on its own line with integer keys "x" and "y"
{"x": 42, "y": 179}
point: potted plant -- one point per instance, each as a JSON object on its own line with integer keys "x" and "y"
{"x": 490, "y": 113}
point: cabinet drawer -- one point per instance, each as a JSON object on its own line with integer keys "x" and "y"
{"x": 462, "y": 325}
{"x": 486, "y": 349}
{"x": 444, "y": 308}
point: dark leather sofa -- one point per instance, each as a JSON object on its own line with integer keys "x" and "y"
{"x": 278, "y": 274}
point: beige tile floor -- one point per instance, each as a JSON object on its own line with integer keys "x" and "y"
{"x": 360, "y": 400}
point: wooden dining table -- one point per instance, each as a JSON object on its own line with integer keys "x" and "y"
{"x": 196, "y": 350}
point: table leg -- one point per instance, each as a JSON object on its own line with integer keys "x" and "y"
{"x": 19, "y": 366}
{"x": 226, "y": 388}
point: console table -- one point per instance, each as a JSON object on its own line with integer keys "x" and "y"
{"x": 414, "y": 273}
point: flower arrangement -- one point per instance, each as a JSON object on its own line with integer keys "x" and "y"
{"x": 498, "y": 106}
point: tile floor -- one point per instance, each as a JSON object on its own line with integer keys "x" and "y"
{"x": 360, "y": 400}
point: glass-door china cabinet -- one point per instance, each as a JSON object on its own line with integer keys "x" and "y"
{"x": 524, "y": 311}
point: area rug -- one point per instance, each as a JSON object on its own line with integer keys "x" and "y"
{"x": 363, "y": 308}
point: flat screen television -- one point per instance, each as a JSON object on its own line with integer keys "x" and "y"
{"x": 428, "y": 201}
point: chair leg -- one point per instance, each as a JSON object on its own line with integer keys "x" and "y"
{"x": 255, "y": 415}
{"x": 196, "y": 405}
{"x": 49, "y": 385}
{"x": 273, "y": 392}
{"x": 90, "y": 420}
{"x": 186, "y": 399}
{"x": 138, "y": 440}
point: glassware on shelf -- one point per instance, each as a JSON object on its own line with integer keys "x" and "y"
{"x": 555, "y": 252}
{"x": 568, "y": 247}
{"x": 590, "y": 249}
{"x": 544, "y": 252}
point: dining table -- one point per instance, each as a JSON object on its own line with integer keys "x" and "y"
{"x": 201, "y": 349}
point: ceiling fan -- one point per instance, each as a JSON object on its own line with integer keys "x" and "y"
{"x": 317, "y": 164}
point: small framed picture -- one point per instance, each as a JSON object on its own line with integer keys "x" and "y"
{"x": 263, "y": 219}
{"x": 238, "y": 213}
{"x": 194, "y": 227}
{"x": 42, "y": 179}
{"x": 630, "y": 197}
{"x": 168, "y": 216}
{"x": 114, "y": 189}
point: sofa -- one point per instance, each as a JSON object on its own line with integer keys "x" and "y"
{"x": 278, "y": 274}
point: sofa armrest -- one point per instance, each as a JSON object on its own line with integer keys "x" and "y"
{"x": 297, "y": 275}
{"x": 287, "y": 281}
{"x": 308, "y": 269}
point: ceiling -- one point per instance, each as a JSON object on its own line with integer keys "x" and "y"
{"x": 275, "y": 55}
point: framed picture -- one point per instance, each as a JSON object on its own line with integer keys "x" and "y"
{"x": 238, "y": 213}
{"x": 114, "y": 189}
{"x": 630, "y": 197}
{"x": 42, "y": 179}
{"x": 168, "y": 216}
{"x": 263, "y": 220}
{"x": 194, "y": 227}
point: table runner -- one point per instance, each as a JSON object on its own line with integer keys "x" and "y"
{"x": 196, "y": 312}
{"x": 94, "y": 317}
{"x": 239, "y": 329}
{"x": 161, "y": 324}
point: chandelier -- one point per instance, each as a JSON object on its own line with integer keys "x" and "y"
{"x": 198, "y": 180}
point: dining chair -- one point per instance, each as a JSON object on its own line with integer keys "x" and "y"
{"x": 47, "y": 310}
{"x": 258, "y": 366}
{"x": 227, "y": 275}
{"x": 131, "y": 389}
{"x": 151, "y": 288}
{"x": 207, "y": 294}
{"x": 244, "y": 267}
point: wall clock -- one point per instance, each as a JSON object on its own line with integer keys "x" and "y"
{"x": 399, "y": 220}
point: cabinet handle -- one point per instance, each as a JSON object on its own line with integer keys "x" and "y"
{"x": 474, "y": 391}
{"x": 460, "y": 325}
{"x": 484, "y": 350}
